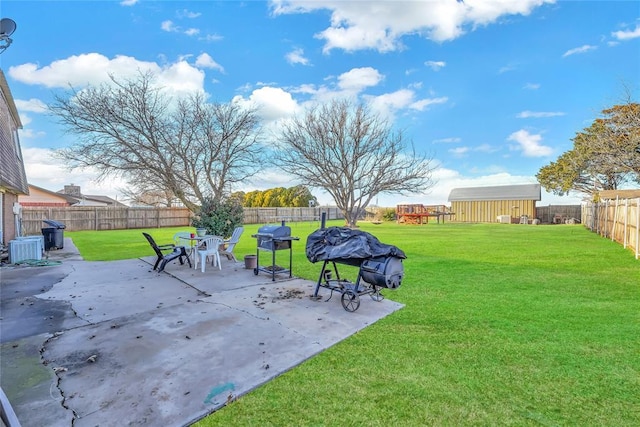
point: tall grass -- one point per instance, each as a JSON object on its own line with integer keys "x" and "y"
{"x": 502, "y": 325}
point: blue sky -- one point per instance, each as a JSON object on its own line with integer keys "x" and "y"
{"x": 492, "y": 91}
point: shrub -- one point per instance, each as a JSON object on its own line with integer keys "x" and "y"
{"x": 219, "y": 218}
{"x": 389, "y": 214}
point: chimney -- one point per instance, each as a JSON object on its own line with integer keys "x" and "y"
{"x": 72, "y": 190}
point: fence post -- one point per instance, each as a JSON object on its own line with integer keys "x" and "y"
{"x": 615, "y": 219}
{"x": 637, "y": 226}
{"x": 626, "y": 222}
{"x": 606, "y": 218}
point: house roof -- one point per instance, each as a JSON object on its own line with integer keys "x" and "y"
{"x": 12, "y": 173}
{"x": 69, "y": 199}
{"x": 4, "y": 86}
{"x": 502, "y": 192}
{"x": 103, "y": 199}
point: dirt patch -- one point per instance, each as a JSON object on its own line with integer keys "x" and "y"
{"x": 277, "y": 294}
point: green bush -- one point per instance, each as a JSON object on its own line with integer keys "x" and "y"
{"x": 388, "y": 214}
{"x": 219, "y": 218}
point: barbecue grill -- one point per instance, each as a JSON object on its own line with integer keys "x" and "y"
{"x": 380, "y": 265}
{"x": 272, "y": 238}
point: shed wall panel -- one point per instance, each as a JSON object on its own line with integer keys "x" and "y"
{"x": 489, "y": 210}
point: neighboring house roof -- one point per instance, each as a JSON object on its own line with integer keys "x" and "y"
{"x": 621, "y": 194}
{"x": 103, "y": 199}
{"x": 87, "y": 200}
{"x": 502, "y": 192}
{"x": 42, "y": 197}
{"x": 39, "y": 196}
{"x": 12, "y": 173}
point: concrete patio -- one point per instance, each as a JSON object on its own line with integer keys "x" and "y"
{"x": 115, "y": 343}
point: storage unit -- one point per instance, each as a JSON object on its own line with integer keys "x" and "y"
{"x": 485, "y": 204}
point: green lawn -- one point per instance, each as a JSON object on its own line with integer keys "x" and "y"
{"x": 502, "y": 325}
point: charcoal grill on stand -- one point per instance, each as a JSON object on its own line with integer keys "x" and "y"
{"x": 380, "y": 264}
{"x": 272, "y": 238}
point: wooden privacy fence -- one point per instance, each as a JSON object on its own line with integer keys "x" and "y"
{"x": 76, "y": 218}
{"x": 275, "y": 215}
{"x": 618, "y": 220}
{"x": 558, "y": 214}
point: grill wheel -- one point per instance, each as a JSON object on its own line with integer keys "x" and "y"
{"x": 350, "y": 300}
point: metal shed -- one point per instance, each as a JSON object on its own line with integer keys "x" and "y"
{"x": 504, "y": 203}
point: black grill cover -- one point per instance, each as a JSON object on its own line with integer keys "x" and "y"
{"x": 347, "y": 245}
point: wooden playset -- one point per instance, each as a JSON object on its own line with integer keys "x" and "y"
{"x": 419, "y": 214}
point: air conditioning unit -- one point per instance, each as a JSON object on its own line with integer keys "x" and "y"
{"x": 504, "y": 219}
{"x": 38, "y": 238}
{"x": 25, "y": 249}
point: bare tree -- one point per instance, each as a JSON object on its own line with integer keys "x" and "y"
{"x": 151, "y": 197}
{"x": 352, "y": 154}
{"x": 185, "y": 147}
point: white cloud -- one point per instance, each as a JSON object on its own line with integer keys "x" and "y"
{"x": 458, "y": 151}
{"x": 46, "y": 171}
{"x": 530, "y": 144}
{"x": 538, "y": 114}
{"x": 628, "y": 34}
{"x": 350, "y": 84}
{"x": 532, "y": 86}
{"x": 168, "y": 26}
{"x": 486, "y": 148}
{"x": 381, "y": 25}
{"x": 206, "y": 61}
{"x": 507, "y": 68}
{"x": 181, "y": 77}
{"x": 128, "y": 2}
{"x": 387, "y": 104}
{"x": 79, "y": 70}
{"x": 435, "y": 65}
{"x": 30, "y": 133}
{"x": 357, "y": 79}
{"x": 94, "y": 68}
{"x": 482, "y": 148}
{"x": 422, "y": 104}
{"x": 272, "y": 103}
{"x": 582, "y": 49}
{"x": 25, "y": 119}
{"x": 296, "y": 56}
{"x": 447, "y": 140}
{"x": 32, "y": 105}
{"x": 185, "y": 13}
{"x": 211, "y": 38}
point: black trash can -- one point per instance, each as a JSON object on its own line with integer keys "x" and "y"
{"x": 54, "y": 235}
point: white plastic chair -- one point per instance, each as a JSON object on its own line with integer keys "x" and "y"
{"x": 230, "y": 244}
{"x": 209, "y": 247}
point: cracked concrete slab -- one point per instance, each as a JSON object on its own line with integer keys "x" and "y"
{"x": 148, "y": 348}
